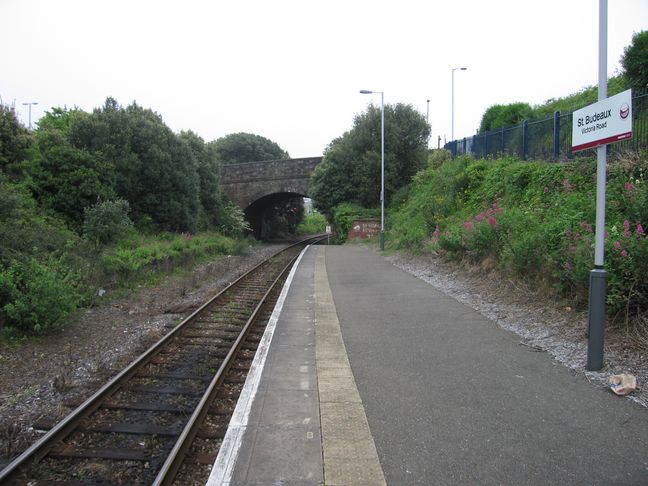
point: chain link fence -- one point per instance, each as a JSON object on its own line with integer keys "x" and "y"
{"x": 549, "y": 138}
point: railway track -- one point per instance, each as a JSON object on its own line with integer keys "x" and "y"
{"x": 161, "y": 419}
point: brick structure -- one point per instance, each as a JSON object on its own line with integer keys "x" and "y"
{"x": 364, "y": 228}
{"x": 250, "y": 181}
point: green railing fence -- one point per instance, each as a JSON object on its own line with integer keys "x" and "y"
{"x": 549, "y": 138}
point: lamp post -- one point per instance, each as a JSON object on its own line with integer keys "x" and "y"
{"x": 30, "y": 105}
{"x": 453, "y": 70}
{"x": 382, "y": 163}
{"x": 427, "y": 120}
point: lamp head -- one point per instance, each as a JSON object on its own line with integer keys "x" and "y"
{"x": 366, "y": 91}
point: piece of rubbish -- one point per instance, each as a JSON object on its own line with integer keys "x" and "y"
{"x": 622, "y": 384}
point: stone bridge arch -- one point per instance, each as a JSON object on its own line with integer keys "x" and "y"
{"x": 254, "y": 186}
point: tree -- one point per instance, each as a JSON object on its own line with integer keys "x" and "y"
{"x": 15, "y": 141}
{"x": 213, "y": 202}
{"x": 247, "y": 147}
{"x": 635, "y": 60}
{"x": 65, "y": 178}
{"x": 156, "y": 171}
{"x": 351, "y": 169}
{"x": 498, "y": 116}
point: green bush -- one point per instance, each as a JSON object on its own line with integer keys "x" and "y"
{"x": 106, "y": 221}
{"x": 313, "y": 223}
{"x": 36, "y": 297}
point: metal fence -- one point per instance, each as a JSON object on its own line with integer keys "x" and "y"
{"x": 549, "y": 138}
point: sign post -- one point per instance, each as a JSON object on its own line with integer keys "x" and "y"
{"x": 608, "y": 121}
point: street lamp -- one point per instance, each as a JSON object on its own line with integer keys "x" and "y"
{"x": 453, "y": 70}
{"x": 30, "y": 105}
{"x": 427, "y": 120}
{"x": 382, "y": 163}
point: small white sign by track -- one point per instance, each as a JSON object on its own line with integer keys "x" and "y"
{"x": 607, "y": 121}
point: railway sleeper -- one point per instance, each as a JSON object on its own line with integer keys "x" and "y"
{"x": 115, "y": 454}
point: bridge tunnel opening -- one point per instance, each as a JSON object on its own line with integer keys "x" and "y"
{"x": 275, "y": 216}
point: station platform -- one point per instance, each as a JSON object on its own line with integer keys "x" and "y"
{"x": 369, "y": 376}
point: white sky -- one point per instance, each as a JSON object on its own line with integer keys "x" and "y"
{"x": 291, "y": 70}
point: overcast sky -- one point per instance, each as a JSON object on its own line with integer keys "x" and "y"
{"x": 291, "y": 70}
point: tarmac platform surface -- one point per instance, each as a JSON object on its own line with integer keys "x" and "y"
{"x": 368, "y": 375}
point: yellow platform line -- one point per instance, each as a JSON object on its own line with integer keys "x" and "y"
{"x": 349, "y": 452}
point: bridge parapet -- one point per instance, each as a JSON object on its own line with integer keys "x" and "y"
{"x": 269, "y": 170}
{"x": 249, "y": 181}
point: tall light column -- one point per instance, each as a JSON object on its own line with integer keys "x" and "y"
{"x": 30, "y": 105}
{"x": 453, "y": 70}
{"x": 382, "y": 163}
{"x": 427, "y": 120}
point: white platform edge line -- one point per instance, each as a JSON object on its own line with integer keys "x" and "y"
{"x": 221, "y": 473}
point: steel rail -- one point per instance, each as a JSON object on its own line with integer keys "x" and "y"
{"x": 63, "y": 429}
{"x": 174, "y": 460}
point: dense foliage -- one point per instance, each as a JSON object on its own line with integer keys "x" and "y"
{"x": 312, "y": 224}
{"x": 351, "y": 169}
{"x": 498, "y": 116}
{"x": 635, "y": 60}
{"x": 82, "y": 198}
{"x": 155, "y": 170}
{"x": 247, "y": 147}
{"x": 281, "y": 218}
{"x": 534, "y": 220}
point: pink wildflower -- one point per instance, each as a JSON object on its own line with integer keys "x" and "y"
{"x": 630, "y": 187}
{"x": 572, "y": 248}
{"x": 586, "y": 226}
{"x": 640, "y": 231}
{"x": 469, "y": 225}
{"x": 479, "y": 217}
{"x": 568, "y": 266}
{"x": 493, "y": 222}
{"x": 617, "y": 245}
{"x": 546, "y": 189}
{"x": 624, "y": 253}
{"x": 626, "y": 229}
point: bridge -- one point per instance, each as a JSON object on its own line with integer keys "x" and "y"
{"x": 257, "y": 186}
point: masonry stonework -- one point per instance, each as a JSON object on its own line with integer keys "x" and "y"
{"x": 247, "y": 182}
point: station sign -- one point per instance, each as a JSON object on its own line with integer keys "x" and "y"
{"x": 607, "y": 121}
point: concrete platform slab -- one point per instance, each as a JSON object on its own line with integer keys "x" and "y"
{"x": 305, "y": 423}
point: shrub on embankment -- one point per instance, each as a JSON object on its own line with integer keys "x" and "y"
{"x": 48, "y": 272}
{"x": 534, "y": 220}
